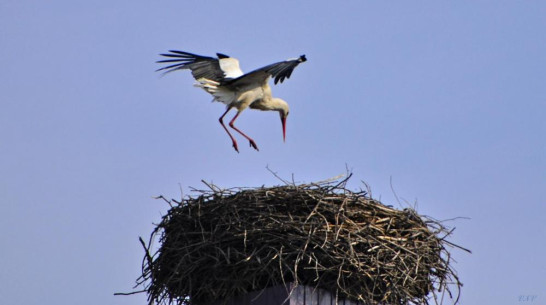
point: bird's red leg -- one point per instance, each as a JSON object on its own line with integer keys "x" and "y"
{"x": 252, "y": 143}
{"x": 225, "y": 128}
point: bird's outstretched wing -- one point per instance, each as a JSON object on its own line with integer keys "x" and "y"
{"x": 279, "y": 71}
{"x": 217, "y": 69}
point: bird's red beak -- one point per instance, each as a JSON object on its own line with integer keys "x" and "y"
{"x": 283, "y": 120}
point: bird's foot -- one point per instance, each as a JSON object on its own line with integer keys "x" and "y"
{"x": 235, "y": 146}
{"x": 253, "y": 144}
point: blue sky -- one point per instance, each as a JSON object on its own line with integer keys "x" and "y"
{"x": 446, "y": 99}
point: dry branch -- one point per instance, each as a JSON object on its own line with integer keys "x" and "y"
{"x": 225, "y": 243}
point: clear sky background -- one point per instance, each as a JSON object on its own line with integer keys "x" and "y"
{"x": 447, "y": 98}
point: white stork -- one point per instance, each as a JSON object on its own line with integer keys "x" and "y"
{"x": 223, "y": 79}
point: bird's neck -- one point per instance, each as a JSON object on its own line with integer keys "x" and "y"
{"x": 279, "y": 104}
{"x": 270, "y": 104}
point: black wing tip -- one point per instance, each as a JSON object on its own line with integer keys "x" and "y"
{"x": 220, "y": 55}
{"x": 181, "y": 52}
{"x": 178, "y": 54}
{"x": 280, "y": 78}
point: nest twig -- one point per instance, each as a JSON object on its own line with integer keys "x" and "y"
{"x": 228, "y": 242}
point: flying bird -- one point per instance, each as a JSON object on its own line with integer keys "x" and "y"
{"x": 224, "y": 80}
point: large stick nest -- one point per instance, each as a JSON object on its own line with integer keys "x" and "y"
{"x": 225, "y": 243}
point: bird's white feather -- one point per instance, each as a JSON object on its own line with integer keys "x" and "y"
{"x": 220, "y": 94}
{"x": 230, "y": 66}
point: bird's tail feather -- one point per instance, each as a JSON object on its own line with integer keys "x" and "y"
{"x": 212, "y": 87}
